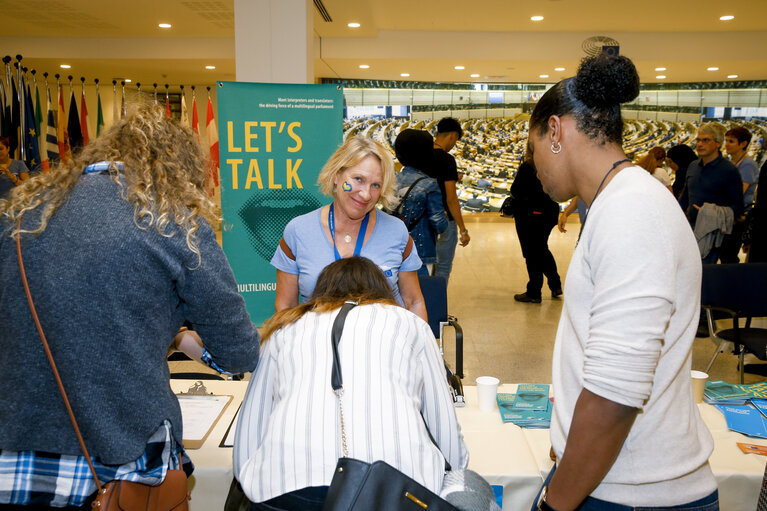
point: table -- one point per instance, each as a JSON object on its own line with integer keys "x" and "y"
{"x": 738, "y": 475}
{"x": 506, "y": 455}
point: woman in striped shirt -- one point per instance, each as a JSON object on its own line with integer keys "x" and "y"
{"x": 288, "y": 437}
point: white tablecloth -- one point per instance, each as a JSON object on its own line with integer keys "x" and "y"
{"x": 517, "y": 459}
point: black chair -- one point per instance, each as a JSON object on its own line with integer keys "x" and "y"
{"x": 434, "y": 290}
{"x": 737, "y": 291}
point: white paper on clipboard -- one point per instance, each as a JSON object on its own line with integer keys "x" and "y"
{"x": 199, "y": 415}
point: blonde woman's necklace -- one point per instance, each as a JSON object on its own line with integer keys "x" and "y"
{"x": 347, "y": 236}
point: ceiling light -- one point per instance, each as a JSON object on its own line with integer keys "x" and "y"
{"x": 364, "y": 66}
{"x": 459, "y": 68}
{"x": 404, "y": 75}
{"x": 536, "y": 18}
{"x": 128, "y": 80}
{"x": 660, "y": 77}
{"x": 559, "y": 69}
{"x": 164, "y": 25}
{"x": 475, "y": 75}
{"x": 732, "y": 76}
{"x": 65, "y": 66}
{"x": 660, "y": 68}
{"x": 210, "y": 67}
{"x": 353, "y": 25}
{"x": 726, "y": 18}
{"x": 712, "y": 69}
{"x": 543, "y": 76}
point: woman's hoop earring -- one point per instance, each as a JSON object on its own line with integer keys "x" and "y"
{"x": 556, "y": 149}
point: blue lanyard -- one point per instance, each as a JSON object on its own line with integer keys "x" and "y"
{"x": 360, "y": 235}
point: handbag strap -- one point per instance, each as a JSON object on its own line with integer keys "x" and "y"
{"x": 337, "y": 380}
{"x": 50, "y": 358}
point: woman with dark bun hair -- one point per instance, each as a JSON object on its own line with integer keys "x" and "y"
{"x": 626, "y": 431}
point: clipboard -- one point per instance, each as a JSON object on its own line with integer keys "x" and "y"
{"x": 200, "y": 411}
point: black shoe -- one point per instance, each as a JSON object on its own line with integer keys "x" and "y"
{"x": 556, "y": 293}
{"x": 526, "y": 299}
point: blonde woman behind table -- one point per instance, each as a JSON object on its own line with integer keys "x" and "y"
{"x": 358, "y": 176}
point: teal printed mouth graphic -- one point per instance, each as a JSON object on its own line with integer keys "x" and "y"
{"x": 265, "y": 216}
{"x": 346, "y": 187}
{"x": 528, "y": 397}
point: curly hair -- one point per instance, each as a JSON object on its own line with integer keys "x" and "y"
{"x": 163, "y": 176}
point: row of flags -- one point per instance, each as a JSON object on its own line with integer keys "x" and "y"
{"x": 42, "y": 137}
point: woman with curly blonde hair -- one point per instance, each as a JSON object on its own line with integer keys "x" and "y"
{"x": 119, "y": 253}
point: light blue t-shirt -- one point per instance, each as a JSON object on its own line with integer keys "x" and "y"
{"x": 313, "y": 250}
{"x": 749, "y": 173}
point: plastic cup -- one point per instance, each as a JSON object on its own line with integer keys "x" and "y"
{"x": 698, "y": 385}
{"x": 487, "y": 388}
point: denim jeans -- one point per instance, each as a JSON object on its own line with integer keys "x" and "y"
{"x": 708, "y": 503}
{"x": 305, "y": 499}
{"x": 446, "y": 244}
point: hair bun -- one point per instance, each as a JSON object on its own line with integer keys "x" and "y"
{"x": 606, "y": 80}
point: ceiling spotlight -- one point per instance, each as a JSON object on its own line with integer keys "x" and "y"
{"x": 364, "y": 66}
{"x": 210, "y": 67}
{"x": 353, "y": 25}
{"x": 536, "y": 18}
{"x": 660, "y": 77}
{"x": 404, "y": 75}
{"x": 559, "y": 69}
{"x": 712, "y": 69}
{"x": 128, "y": 80}
{"x": 726, "y": 18}
{"x": 164, "y": 25}
{"x": 732, "y": 76}
{"x": 459, "y": 68}
{"x": 475, "y": 75}
{"x": 543, "y": 76}
{"x": 660, "y": 68}
{"x": 65, "y": 66}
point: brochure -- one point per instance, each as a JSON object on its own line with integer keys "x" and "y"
{"x": 523, "y": 418}
{"x": 531, "y": 396}
{"x": 745, "y": 419}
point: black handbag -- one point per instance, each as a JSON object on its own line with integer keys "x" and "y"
{"x": 361, "y": 486}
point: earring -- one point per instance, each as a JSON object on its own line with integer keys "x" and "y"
{"x": 556, "y": 149}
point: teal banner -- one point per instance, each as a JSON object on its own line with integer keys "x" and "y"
{"x": 273, "y": 141}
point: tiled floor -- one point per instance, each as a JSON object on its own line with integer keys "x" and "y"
{"x": 510, "y": 340}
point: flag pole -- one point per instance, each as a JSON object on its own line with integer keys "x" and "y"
{"x": 155, "y": 93}
{"x": 8, "y": 89}
{"x": 71, "y": 89}
{"x": 138, "y": 88}
{"x": 123, "y": 108}
{"x": 22, "y": 98}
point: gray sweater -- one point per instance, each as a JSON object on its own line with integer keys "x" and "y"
{"x": 110, "y": 298}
